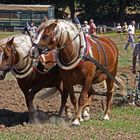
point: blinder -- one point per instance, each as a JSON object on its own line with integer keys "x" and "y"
{"x": 2, "y": 75}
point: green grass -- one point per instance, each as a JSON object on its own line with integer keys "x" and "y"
{"x": 6, "y": 34}
{"x": 124, "y": 122}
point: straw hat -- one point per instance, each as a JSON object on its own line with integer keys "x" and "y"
{"x": 85, "y": 22}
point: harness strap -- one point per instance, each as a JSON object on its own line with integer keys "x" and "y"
{"x": 101, "y": 67}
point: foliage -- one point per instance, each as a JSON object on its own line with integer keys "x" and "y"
{"x": 103, "y": 11}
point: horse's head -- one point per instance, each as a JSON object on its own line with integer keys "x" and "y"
{"x": 46, "y": 39}
{"x": 55, "y": 34}
{"x": 6, "y": 57}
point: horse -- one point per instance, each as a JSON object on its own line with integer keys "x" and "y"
{"x": 31, "y": 76}
{"x": 92, "y": 63}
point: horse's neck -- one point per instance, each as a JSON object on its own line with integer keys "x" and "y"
{"x": 22, "y": 62}
{"x": 71, "y": 46}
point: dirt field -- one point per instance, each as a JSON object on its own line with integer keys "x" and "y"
{"x": 13, "y": 110}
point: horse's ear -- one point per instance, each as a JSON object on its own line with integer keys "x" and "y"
{"x": 56, "y": 21}
{"x": 10, "y": 42}
{"x": 54, "y": 24}
{"x": 10, "y": 45}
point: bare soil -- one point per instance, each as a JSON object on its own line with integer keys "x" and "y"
{"x": 13, "y": 110}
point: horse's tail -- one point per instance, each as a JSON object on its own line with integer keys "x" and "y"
{"x": 49, "y": 93}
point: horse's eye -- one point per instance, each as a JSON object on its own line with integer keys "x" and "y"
{"x": 45, "y": 37}
{"x": 5, "y": 56}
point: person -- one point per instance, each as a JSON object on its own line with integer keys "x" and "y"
{"x": 26, "y": 28}
{"x": 92, "y": 30}
{"x": 33, "y": 28}
{"x": 86, "y": 27}
{"x": 124, "y": 28}
{"x": 119, "y": 28}
{"x": 135, "y": 59}
{"x": 130, "y": 35}
{"x": 136, "y": 55}
{"x": 77, "y": 23}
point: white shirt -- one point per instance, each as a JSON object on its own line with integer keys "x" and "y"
{"x": 86, "y": 29}
{"x": 131, "y": 29}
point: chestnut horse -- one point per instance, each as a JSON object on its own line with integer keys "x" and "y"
{"x": 31, "y": 76}
{"x": 85, "y": 65}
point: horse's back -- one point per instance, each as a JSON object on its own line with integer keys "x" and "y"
{"x": 111, "y": 44}
{"x": 19, "y": 39}
{"x": 105, "y": 52}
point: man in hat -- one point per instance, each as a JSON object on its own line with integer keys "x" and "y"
{"x": 86, "y": 27}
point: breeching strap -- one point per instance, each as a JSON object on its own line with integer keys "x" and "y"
{"x": 101, "y": 67}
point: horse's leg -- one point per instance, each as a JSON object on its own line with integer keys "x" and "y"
{"x": 86, "y": 115}
{"x": 83, "y": 100}
{"x": 31, "y": 109}
{"x": 110, "y": 88}
{"x": 64, "y": 104}
{"x": 73, "y": 99}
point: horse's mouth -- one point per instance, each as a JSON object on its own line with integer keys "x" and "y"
{"x": 2, "y": 75}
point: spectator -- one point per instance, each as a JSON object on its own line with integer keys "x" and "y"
{"x": 92, "y": 30}
{"x": 130, "y": 35}
{"x": 119, "y": 28}
{"x": 76, "y": 21}
{"x": 86, "y": 27}
{"x": 78, "y": 25}
{"x": 136, "y": 58}
{"x": 125, "y": 27}
{"x": 33, "y": 28}
{"x": 26, "y": 28}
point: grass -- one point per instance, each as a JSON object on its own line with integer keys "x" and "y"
{"x": 6, "y": 34}
{"x": 124, "y": 123}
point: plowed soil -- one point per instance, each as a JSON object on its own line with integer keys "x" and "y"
{"x": 13, "y": 110}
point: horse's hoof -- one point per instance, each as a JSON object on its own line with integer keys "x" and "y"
{"x": 69, "y": 116}
{"x": 86, "y": 115}
{"x": 81, "y": 119}
{"x": 106, "y": 117}
{"x": 86, "y": 118}
{"x": 76, "y": 123}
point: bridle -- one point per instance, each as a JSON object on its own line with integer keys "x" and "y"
{"x": 75, "y": 61}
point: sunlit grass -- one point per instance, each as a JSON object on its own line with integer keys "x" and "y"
{"x": 6, "y": 34}
{"x": 124, "y": 119}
